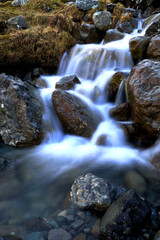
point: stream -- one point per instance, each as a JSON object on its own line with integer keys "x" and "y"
{"x": 41, "y": 178}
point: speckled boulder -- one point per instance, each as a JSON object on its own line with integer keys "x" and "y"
{"x": 86, "y": 4}
{"x": 153, "y": 50}
{"x": 20, "y": 112}
{"x": 91, "y": 192}
{"x": 102, "y": 20}
{"x": 67, "y": 83}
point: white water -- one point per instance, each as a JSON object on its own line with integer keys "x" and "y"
{"x": 94, "y": 64}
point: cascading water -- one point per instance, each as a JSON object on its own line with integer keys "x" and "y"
{"x": 62, "y": 157}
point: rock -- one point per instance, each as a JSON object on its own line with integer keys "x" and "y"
{"x": 88, "y": 33}
{"x": 102, "y": 20}
{"x": 124, "y": 215}
{"x": 113, "y": 35}
{"x": 80, "y": 237}
{"x": 156, "y": 161}
{"x": 110, "y": 7}
{"x": 57, "y": 234}
{"x": 10, "y": 237}
{"x": 20, "y": 112}
{"x": 112, "y": 87}
{"x": 37, "y": 72}
{"x": 143, "y": 91}
{"x": 86, "y": 4}
{"x": 157, "y": 236}
{"x": 96, "y": 228}
{"x": 36, "y": 236}
{"x": 40, "y": 82}
{"x": 37, "y": 225}
{"x": 153, "y": 50}
{"x": 67, "y": 83}
{"x": 18, "y": 22}
{"x": 138, "y": 47}
{"x": 17, "y": 3}
{"x": 102, "y": 140}
{"x": 153, "y": 29}
{"x": 151, "y": 19}
{"x": 121, "y": 112}
{"x": 5, "y": 163}
{"x": 125, "y": 27}
{"x": 75, "y": 115}
{"x": 91, "y": 192}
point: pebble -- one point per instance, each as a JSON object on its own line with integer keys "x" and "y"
{"x": 59, "y": 234}
{"x": 80, "y": 237}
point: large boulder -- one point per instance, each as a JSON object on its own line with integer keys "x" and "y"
{"x": 125, "y": 27}
{"x": 102, "y": 20}
{"x": 91, "y": 192}
{"x": 20, "y": 112}
{"x": 86, "y": 4}
{"x": 153, "y": 50}
{"x": 153, "y": 29}
{"x": 124, "y": 215}
{"x": 143, "y": 90}
{"x": 121, "y": 112}
{"x": 67, "y": 83}
{"x": 75, "y": 115}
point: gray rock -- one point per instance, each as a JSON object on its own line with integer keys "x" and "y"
{"x": 157, "y": 236}
{"x": 86, "y": 4}
{"x": 153, "y": 29}
{"x": 77, "y": 224}
{"x": 18, "y": 22}
{"x": 67, "y": 83}
{"x": 124, "y": 215}
{"x": 113, "y": 35}
{"x": 17, "y": 3}
{"x": 88, "y": 33}
{"x": 75, "y": 115}
{"x": 153, "y": 50}
{"x": 125, "y": 27}
{"x": 59, "y": 234}
{"x": 102, "y": 20}
{"x": 91, "y": 192}
{"x": 20, "y": 112}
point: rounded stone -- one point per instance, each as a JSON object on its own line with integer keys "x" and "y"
{"x": 57, "y": 234}
{"x": 102, "y": 20}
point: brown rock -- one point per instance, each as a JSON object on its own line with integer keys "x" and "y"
{"x": 143, "y": 90}
{"x": 153, "y": 50}
{"x": 121, "y": 112}
{"x": 75, "y": 115}
{"x": 67, "y": 83}
{"x": 80, "y": 237}
{"x": 138, "y": 47}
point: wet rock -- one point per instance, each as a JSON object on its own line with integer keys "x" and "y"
{"x": 20, "y": 112}
{"x": 138, "y": 47}
{"x": 88, "y": 33}
{"x": 36, "y": 236}
{"x": 80, "y": 237}
{"x": 18, "y": 22}
{"x": 151, "y": 19}
{"x": 57, "y": 234}
{"x": 5, "y": 163}
{"x": 102, "y": 20}
{"x": 157, "y": 236}
{"x": 156, "y": 160}
{"x": 125, "y": 27}
{"x": 111, "y": 89}
{"x": 37, "y": 72}
{"x": 113, "y": 35}
{"x": 75, "y": 115}
{"x": 67, "y": 83}
{"x": 153, "y": 50}
{"x": 143, "y": 90}
{"x": 40, "y": 82}
{"x": 17, "y": 3}
{"x": 124, "y": 215}
{"x": 96, "y": 228}
{"x": 91, "y": 192}
{"x": 102, "y": 140}
{"x": 86, "y": 4}
{"x": 10, "y": 237}
{"x": 153, "y": 29}
{"x": 121, "y": 112}
{"x": 37, "y": 225}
